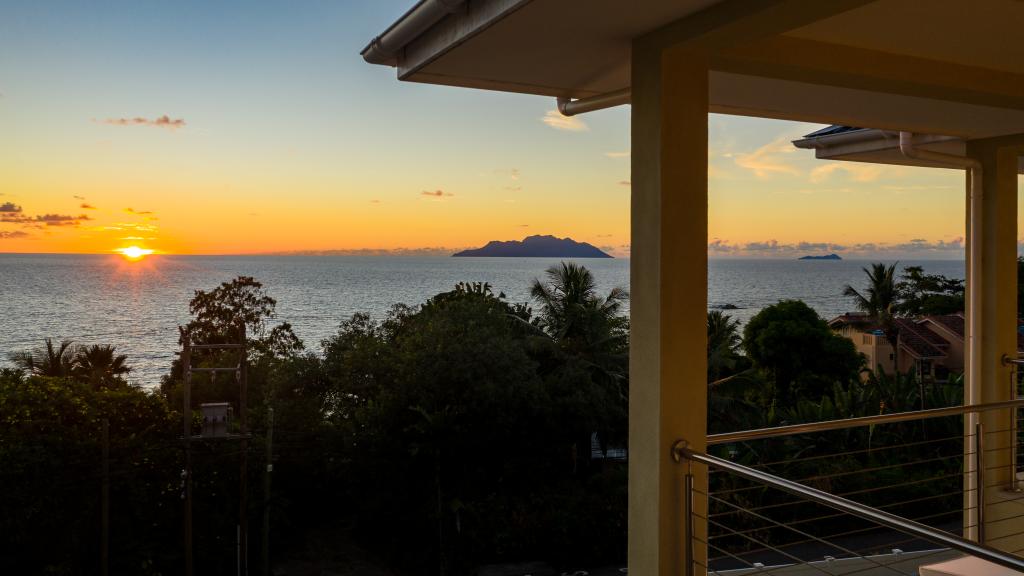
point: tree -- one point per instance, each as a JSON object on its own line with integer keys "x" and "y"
{"x": 582, "y": 322}
{"x": 880, "y": 299}
{"x": 723, "y": 344}
{"x": 99, "y": 366}
{"x": 219, "y": 315}
{"x": 55, "y": 361}
{"x": 799, "y": 352}
{"x": 465, "y": 423}
{"x": 921, "y": 294}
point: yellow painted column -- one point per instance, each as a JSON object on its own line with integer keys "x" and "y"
{"x": 668, "y": 276}
{"x": 998, "y": 220}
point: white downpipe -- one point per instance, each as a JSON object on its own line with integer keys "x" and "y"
{"x": 974, "y": 283}
{"x": 570, "y": 107}
{"x": 384, "y": 48}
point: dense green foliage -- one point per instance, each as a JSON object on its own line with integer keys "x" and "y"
{"x": 798, "y": 352}
{"x": 444, "y": 436}
{"x": 50, "y": 446}
{"x": 447, "y": 435}
{"x": 920, "y": 294}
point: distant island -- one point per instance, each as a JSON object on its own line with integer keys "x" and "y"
{"x": 537, "y": 247}
{"x": 825, "y": 257}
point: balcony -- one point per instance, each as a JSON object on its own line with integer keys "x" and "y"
{"x": 928, "y": 492}
{"x": 935, "y": 84}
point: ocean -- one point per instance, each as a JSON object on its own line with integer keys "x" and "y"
{"x": 136, "y": 306}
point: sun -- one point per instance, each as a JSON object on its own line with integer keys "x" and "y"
{"x": 134, "y": 252}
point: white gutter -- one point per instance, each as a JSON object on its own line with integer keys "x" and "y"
{"x": 570, "y": 107}
{"x": 384, "y": 49}
{"x": 973, "y": 388}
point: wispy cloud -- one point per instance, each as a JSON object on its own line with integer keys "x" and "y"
{"x": 164, "y": 121}
{"x": 5, "y": 235}
{"x": 857, "y": 172}
{"x": 86, "y": 206}
{"x": 9, "y": 208}
{"x": 624, "y": 183}
{"x": 625, "y": 154}
{"x": 436, "y": 194}
{"x": 769, "y": 159}
{"x": 556, "y": 120}
{"x": 138, "y": 212}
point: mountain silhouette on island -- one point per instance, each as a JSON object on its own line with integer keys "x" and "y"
{"x": 537, "y": 247}
{"x": 825, "y": 257}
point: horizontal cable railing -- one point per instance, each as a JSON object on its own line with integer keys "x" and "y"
{"x": 880, "y": 494}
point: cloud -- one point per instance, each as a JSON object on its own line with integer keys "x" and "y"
{"x": 624, "y": 183}
{"x": 916, "y": 247}
{"x": 522, "y": 225}
{"x": 15, "y": 218}
{"x": 375, "y": 201}
{"x": 5, "y": 235}
{"x": 858, "y": 172}
{"x": 556, "y": 120}
{"x": 137, "y": 212}
{"x": 85, "y": 206}
{"x": 625, "y": 154}
{"x": 769, "y": 159}
{"x": 79, "y": 197}
{"x": 436, "y": 194}
{"x": 61, "y": 219}
{"x": 9, "y": 208}
{"x": 159, "y": 122}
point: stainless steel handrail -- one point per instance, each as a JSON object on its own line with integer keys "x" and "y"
{"x": 680, "y": 450}
{"x": 761, "y": 433}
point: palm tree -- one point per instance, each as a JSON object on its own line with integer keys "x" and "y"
{"x": 723, "y": 342}
{"x": 56, "y": 361}
{"x": 572, "y": 313}
{"x": 99, "y": 365}
{"x": 879, "y": 300}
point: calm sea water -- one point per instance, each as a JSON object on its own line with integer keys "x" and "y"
{"x": 137, "y": 306}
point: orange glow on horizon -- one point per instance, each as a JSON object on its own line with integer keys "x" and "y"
{"x": 134, "y": 252}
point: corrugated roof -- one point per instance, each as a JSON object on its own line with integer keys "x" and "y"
{"x": 832, "y": 130}
{"x": 952, "y": 322}
{"x": 916, "y": 340}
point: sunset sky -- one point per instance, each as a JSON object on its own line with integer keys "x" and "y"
{"x": 253, "y": 127}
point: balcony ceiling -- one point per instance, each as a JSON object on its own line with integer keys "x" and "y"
{"x": 943, "y": 66}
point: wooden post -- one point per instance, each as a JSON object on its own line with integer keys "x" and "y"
{"x": 266, "y": 492}
{"x": 105, "y": 503}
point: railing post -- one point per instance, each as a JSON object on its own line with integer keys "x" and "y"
{"x": 688, "y": 520}
{"x": 979, "y": 475}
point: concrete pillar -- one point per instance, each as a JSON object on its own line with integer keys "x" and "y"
{"x": 998, "y": 266}
{"x": 668, "y": 348}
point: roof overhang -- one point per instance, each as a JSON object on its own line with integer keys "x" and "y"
{"x": 880, "y": 146}
{"x": 938, "y": 67}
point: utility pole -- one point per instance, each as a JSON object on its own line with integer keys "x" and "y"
{"x": 240, "y": 371}
{"x": 266, "y": 491}
{"x": 243, "y": 496}
{"x": 186, "y": 361}
{"x": 105, "y": 503}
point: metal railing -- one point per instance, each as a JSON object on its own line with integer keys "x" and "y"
{"x": 850, "y": 536}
